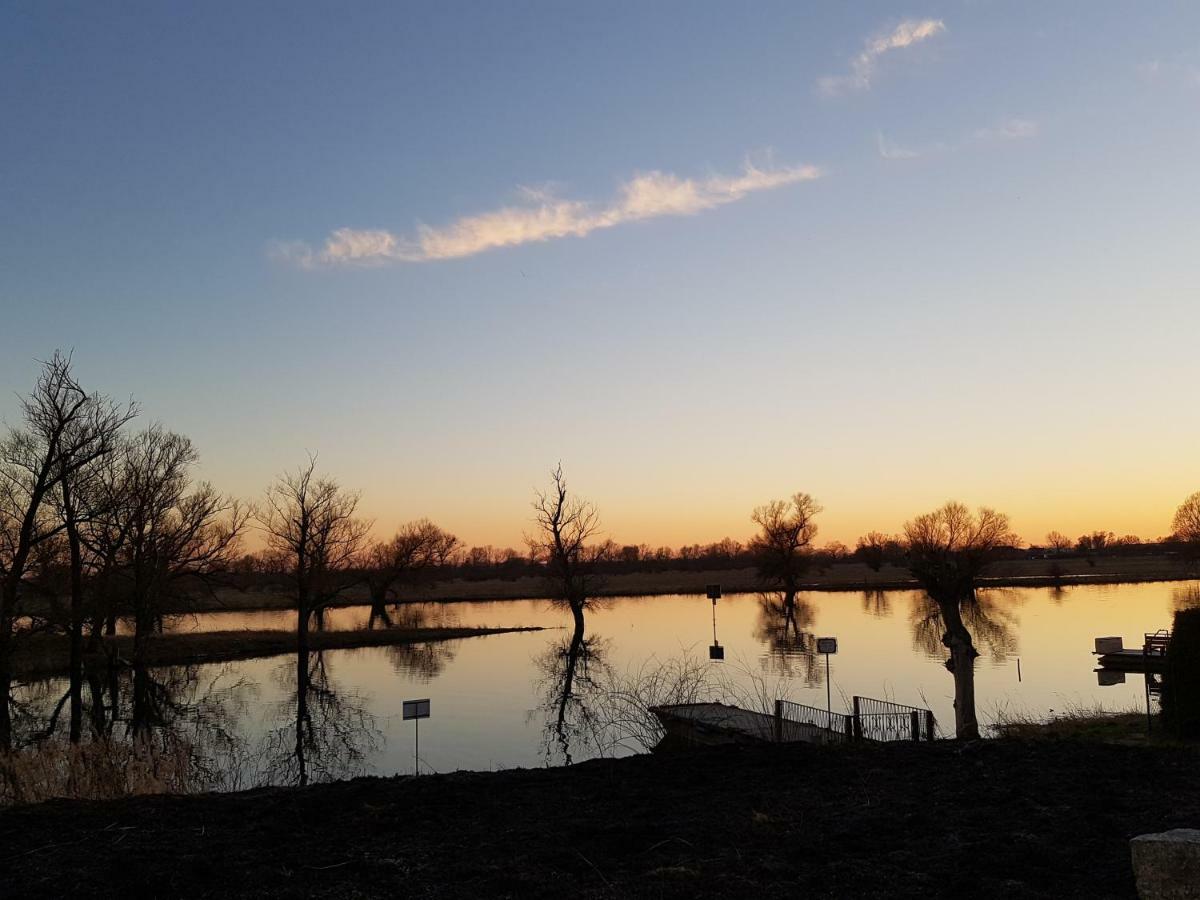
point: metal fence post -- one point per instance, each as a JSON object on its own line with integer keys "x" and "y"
{"x": 929, "y": 725}
{"x": 916, "y": 725}
{"x": 778, "y": 721}
{"x": 857, "y": 720}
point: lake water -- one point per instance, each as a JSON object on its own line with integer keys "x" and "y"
{"x": 492, "y": 697}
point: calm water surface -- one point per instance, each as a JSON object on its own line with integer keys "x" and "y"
{"x": 488, "y": 693}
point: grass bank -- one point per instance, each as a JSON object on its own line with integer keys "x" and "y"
{"x": 849, "y": 576}
{"x": 48, "y": 654}
{"x": 1006, "y": 818}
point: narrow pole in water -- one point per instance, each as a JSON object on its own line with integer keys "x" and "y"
{"x": 1018, "y": 669}
{"x": 828, "y": 696}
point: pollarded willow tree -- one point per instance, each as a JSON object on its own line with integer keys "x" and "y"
{"x": 948, "y": 549}
{"x": 783, "y": 546}
{"x": 416, "y": 550}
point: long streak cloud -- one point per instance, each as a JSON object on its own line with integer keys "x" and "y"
{"x": 862, "y": 66}
{"x": 544, "y": 217}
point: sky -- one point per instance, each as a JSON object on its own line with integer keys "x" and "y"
{"x": 705, "y": 254}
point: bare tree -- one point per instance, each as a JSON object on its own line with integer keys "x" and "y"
{"x": 417, "y": 549}
{"x": 311, "y": 527}
{"x": 313, "y": 532}
{"x": 65, "y": 430}
{"x": 872, "y": 549}
{"x": 1186, "y": 524}
{"x": 784, "y": 544}
{"x": 948, "y": 549}
{"x": 1058, "y": 542}
{"x": 564, "y": 524}
{"x": 161, "y": 538}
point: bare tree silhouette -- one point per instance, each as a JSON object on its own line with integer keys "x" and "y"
{"x": 947, "y": 551}
{"x": 784, "y": 545}
{"x": 416, "y": 549}
{"x": 65, "y": 430}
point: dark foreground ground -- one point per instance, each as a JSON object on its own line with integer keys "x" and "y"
{"x": 992, "y": 819}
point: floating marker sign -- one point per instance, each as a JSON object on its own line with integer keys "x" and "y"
{"x": 716, "y": 651}
{"x": 827, "y": 645}
{"x": 714, "y": 592}
{"x": 416, "y": 709}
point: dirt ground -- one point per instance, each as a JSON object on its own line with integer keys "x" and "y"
{"x": 1032, "y": 818}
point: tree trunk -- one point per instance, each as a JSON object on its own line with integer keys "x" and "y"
{"x": 7, "y": 604}
{"x": 76, "y": 649}
{"x": 962, "y": 665}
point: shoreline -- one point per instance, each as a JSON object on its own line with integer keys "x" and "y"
{"x": 844, "y": 577}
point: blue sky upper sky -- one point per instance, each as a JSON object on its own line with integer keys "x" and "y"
{"x": 707, "y": 254}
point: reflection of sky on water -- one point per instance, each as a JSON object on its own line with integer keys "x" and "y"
{"x": 484, "y": 689}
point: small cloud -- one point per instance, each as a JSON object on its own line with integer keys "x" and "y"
{"x": 862, "y": 66}
{"x": 543, "y": 216}
{"x": 1006, "y": 130}
{"x": 1176, "y": 71}
{"x": 888, "y": 150}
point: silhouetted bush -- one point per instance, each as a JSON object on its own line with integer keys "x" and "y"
{"x": 1181, "y": 682}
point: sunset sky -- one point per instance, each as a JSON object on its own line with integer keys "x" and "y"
{"x": 706, "y": 254}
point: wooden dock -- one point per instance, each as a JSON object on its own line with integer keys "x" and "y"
{"x": 1114, "y": 656}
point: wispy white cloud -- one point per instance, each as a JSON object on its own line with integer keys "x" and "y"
{"x": 542, "y": 216}
{"x": 1006, "y": 130}
{"x": 1178, "y": 71}
{"x": 862, "y": 66}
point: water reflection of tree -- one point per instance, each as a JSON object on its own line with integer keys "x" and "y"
{"x": 187, "y": 715}
{"x": 328, "y": 732}
{"x": 877, "y": 603}
{"x": 989, "y": 615}
{"x": 570, "y": 678}
{"x": 1186, "y": 596}
{"x": 424, "y": 660}
{"x": 783, "y": 627}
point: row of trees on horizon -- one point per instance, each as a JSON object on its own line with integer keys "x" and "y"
{"x": 101, "y": 522}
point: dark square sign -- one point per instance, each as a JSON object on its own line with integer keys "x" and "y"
{"x": 827, "y": 645}
{"x": 416, "y": 709}
{"x": 714, "y": 592}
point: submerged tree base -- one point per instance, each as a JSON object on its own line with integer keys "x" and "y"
{"x": 983, "y": 819}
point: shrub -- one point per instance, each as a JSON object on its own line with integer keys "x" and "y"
{"x": 1181, "y": 681}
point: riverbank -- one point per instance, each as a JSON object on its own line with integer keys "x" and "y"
{"x": 987, "y": 819}
{"x": 847, "y": 576}
{"x": 49, "y": 654}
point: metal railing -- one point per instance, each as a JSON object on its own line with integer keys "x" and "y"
{"x": 838, "y": 725}
{"x": 871, "y": 720}
{"x": 882, "y": 720}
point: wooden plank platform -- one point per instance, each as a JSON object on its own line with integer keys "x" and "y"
{"x": 1131, "y": 660}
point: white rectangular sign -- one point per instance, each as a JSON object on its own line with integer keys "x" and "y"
{"x": 416, "y": 709}
{"x": 827, "y": 645}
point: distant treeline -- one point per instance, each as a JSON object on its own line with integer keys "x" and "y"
{"x": 489, "y": 562}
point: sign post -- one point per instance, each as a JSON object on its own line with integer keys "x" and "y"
{"x": 716, "y": 651}
{"x": 416, "y": 710}
{"x": 828, "y": 646}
